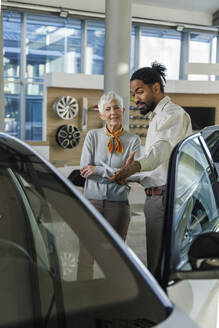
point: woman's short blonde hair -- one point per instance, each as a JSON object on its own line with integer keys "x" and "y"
{"x": 108, "y": 97}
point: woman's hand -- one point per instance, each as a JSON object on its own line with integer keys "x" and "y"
{"x": 87, "y": 170}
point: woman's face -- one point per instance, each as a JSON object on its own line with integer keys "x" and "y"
{"x": 112, "y": 113}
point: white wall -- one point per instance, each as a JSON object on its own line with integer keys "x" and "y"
{"x": 83, "y": 81}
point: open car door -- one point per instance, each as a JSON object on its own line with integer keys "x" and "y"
{"x": 189, "y": 261}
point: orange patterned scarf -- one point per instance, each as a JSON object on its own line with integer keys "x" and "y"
{"x": 118, "y": 145}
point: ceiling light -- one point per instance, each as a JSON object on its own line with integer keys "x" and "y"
{"x": 63, "y": 13}
{"x": 180, "y": 28}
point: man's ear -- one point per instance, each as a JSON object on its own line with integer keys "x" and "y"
{"x": 156, "y": 87}
{"x": 123, "y": 110}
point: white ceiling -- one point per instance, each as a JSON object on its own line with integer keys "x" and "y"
{"x": 205, "y": 6}
{"x": 181, "y": 11}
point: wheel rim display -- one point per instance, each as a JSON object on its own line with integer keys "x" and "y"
{"x": 68, "y": 136}
{"x": 66, "y": 107}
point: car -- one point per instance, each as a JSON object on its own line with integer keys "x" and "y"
{"x": 189, "y": 261}
{"x": 49, "y": 235}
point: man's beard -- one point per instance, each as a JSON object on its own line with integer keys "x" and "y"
{"x": 148, "y": 108}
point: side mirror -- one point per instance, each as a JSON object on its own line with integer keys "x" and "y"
{"x": 204, "y": 252}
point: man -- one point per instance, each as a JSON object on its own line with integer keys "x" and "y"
{"x": 169, "y": 124}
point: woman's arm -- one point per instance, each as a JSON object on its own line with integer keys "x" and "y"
{"x": 98, "y": 173}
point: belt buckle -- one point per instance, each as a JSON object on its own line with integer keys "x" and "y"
{"x": 149, "y": 192}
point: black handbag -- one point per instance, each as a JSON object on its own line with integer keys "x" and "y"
{"x": 76, "y": 178}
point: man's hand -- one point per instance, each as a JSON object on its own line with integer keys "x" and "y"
{"x": 87, "y": 170}
{"x": 121, "y": 175}
{"x": 117, "y": 173}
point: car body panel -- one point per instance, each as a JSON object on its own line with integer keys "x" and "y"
{"x": 199, "y": 299}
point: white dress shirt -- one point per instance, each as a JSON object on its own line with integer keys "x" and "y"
{"x": 169, "y": 124}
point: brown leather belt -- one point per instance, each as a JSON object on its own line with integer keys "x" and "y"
{"x": 155, "y": 191}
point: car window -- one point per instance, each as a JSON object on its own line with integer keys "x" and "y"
{"x": 60, "y": 266}
{"x": 196, "y": 203}
{"x": 212, "y": 141}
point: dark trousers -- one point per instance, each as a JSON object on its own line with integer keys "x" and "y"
{"x": 118, "y": 215}
{"x": 154, "y": 215}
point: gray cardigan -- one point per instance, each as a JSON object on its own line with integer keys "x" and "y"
{"x": 95, "y": 152}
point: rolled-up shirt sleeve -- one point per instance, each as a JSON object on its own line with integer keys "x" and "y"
{"x": 160, "y": 153}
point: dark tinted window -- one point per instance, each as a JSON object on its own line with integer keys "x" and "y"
{"x": 66, "y": 262}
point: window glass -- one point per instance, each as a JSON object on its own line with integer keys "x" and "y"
{"x": 34, "y": 104}
{"x": 12, "y": 26}
{"x": 196, "y": 204}
{"x": 94, "y": 56}
{"x": 59, "y": 265}
{"x": 212, "y": 141}
{"x": 12, "y": 108}
{"x": 63, "y": 241}
{"x": 157, "y": 45}
{"x": 52, "y": 45}
{"x": 202, "y": 49}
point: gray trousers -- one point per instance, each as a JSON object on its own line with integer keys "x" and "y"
{"x": 154, "y": 213}
{"x": 118, "y": 215}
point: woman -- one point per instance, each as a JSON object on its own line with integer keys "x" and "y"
{"x": 104, "y": 151}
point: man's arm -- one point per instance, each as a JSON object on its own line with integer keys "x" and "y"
{"x": 125, "y": 172}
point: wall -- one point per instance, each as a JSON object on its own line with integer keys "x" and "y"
{"x": 59, "y": 156}
{"x": 184, "y": 93}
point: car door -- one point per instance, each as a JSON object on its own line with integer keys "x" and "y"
{"x": 191, "y": 218}
{"x": 62, "y": 265}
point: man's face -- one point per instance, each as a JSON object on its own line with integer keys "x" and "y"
{"x": 144, "y": 96}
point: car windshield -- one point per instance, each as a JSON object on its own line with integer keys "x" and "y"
{"x": 56, "y": 258}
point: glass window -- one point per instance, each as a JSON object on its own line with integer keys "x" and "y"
{"x": 94, "y": 57}
{"x": 202, "y": 49}
{"x": 12, "y": 93}
{"x": 196, "y": 205}
{"x": 52, "y": 45}
{"x": 162, "y": 46}
{"x": 12, "y": 26}
{"x": 58, "y": 260}
{"x": 212, "y": 141}
{"x": 34, "y": 103}
{"x": 64, "y": 246}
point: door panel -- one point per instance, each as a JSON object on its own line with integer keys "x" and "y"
{"x": 199, "y": 299}
{"x": 192, "y": 211}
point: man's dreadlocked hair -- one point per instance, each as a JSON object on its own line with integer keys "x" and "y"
{"x": 150, "y": 75}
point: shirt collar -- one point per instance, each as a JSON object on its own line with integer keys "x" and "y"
{"x": 159, "y": 107}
